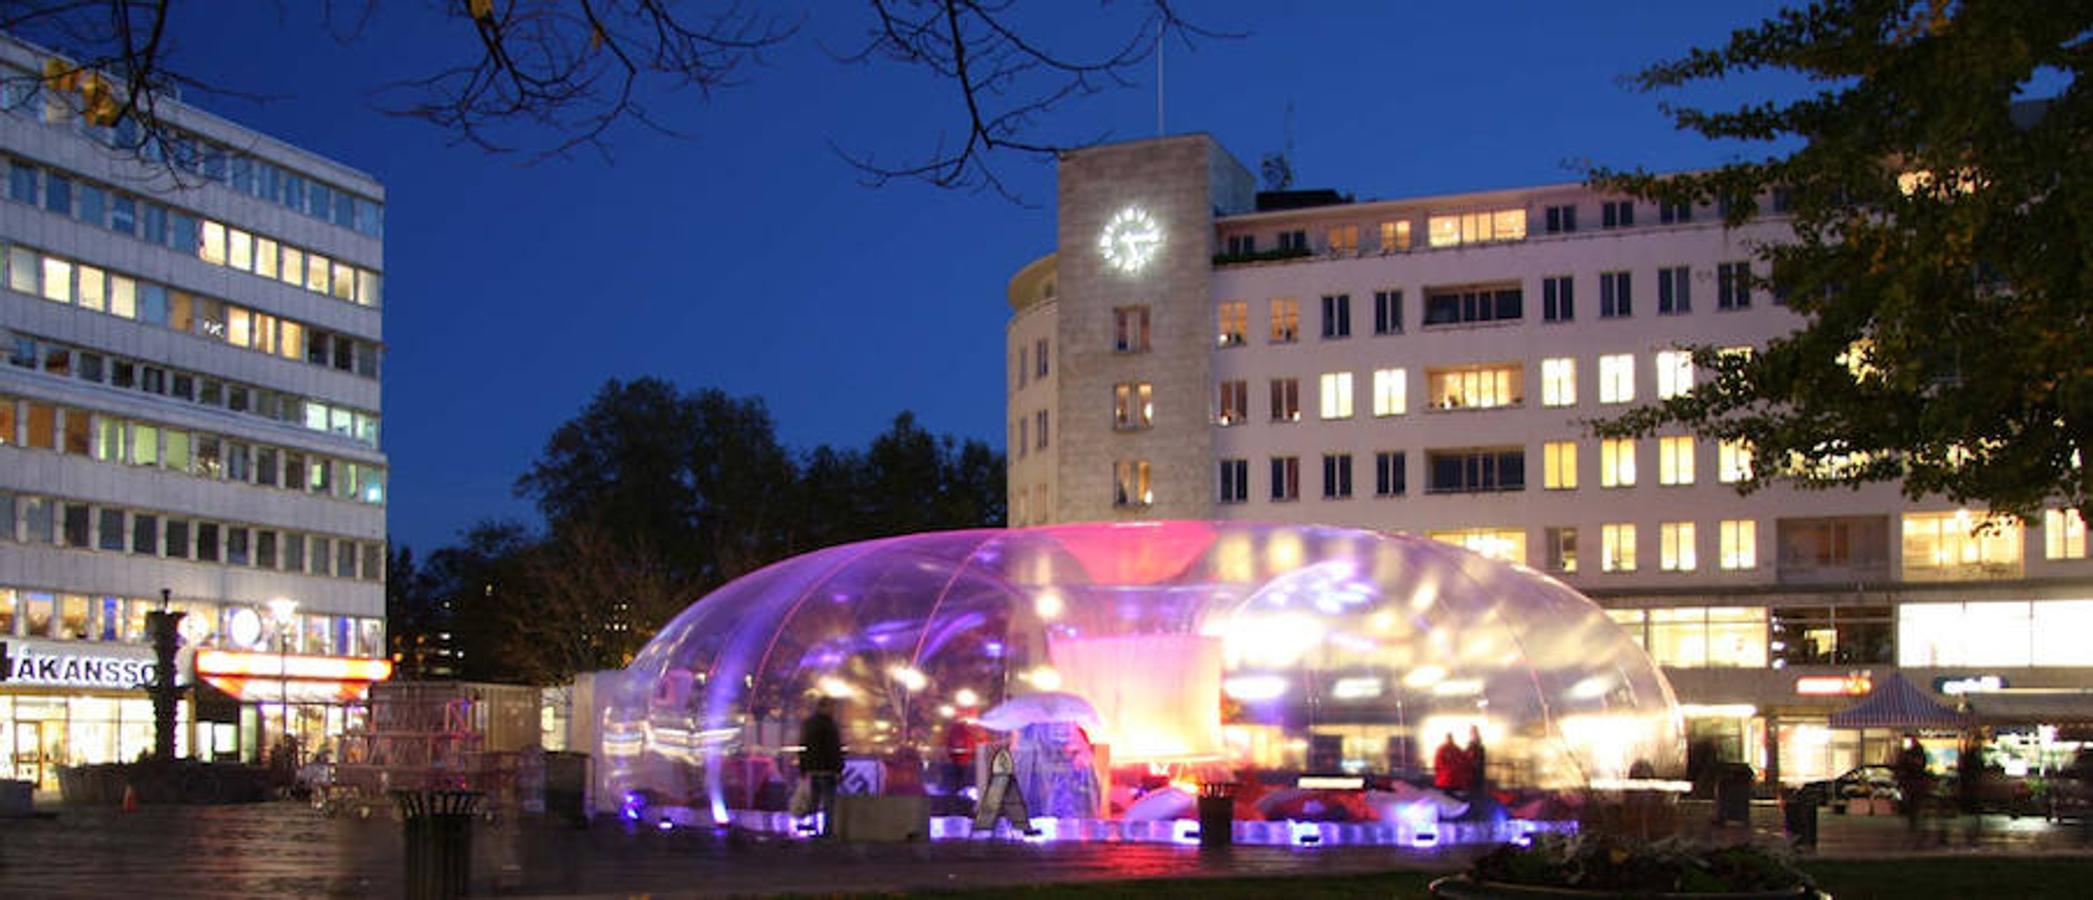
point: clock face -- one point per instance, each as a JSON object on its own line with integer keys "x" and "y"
{"x": 1130, "y": 240}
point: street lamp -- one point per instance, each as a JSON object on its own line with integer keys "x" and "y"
{"x": 285, "y": 611}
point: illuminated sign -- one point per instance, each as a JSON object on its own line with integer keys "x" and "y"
{"x": 312, "y": 668}
{"x": 1969, "y": 684}
{"x": 88, "y": 666}
{"x": 1852, "y": 685}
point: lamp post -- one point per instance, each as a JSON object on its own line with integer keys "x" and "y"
{"x": 285, "y": 611}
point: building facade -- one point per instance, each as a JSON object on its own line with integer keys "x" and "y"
{"x": 1427, "y": 364}
{"x": 189, "y": 414}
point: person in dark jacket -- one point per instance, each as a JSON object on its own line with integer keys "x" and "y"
{"x": 821, "y": 759}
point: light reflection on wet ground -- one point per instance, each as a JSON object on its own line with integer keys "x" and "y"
{"x": 287, "y": 850}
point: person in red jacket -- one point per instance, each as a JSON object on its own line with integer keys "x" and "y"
{"x": 1450, "y": 766}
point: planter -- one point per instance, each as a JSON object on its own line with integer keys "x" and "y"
{"x": 1461, "y": 887}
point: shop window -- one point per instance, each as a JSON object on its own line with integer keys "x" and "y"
{"x": 1832, "y": 635}
{"x": 1842, "y": 548}
{"x": 39, "y": 614}
{"x": 10, "y": 615}
{"x": 73, "y": 618}
{"x": 1507, "y": 544}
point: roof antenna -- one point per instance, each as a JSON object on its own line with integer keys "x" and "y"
{"x": 1160, "y": 23}
{"x": 1278, "y": 168}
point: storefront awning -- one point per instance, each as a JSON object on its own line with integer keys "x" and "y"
{"x": 2032, "y": 708}
{"x": 266, "y": 677}
{"x": 1897, "y": 703}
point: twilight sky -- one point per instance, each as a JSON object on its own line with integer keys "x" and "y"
{"x": 747, "y": 255}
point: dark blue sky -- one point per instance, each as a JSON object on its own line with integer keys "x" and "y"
{"x": 748, "y": 256}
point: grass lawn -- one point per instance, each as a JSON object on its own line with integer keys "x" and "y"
{"x": 1942, "y": 877}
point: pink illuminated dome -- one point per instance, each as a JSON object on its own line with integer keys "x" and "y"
{"x": 1201, "y": 646}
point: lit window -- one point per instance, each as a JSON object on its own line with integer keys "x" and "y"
{"x": 1391, "y": 392}
{"x": 1675, "y": 460}
{"x": 1675, "y": 550}
{"x": 1617, "y": 547}
{"x": 1130, "y": 329}
{"x": 1130, "y": 484}
{"x": 1732, "y": 462}
{"x": 1395, "y": 236}
{"x": 1674, "y": 373}
{"x": 1344, "y": 239}
{"x": 1133, "y": 405}
{"x": 1475, "y": 387}
{"x": 1617, "y": 462}
{"x": 264, "y": 257}
{"x": 212, "y": 250}
{"x": 1507, "y": 544}
{"x": 58, "y": 280}
{"x": 1336, "y": 395}
{"x": 1740, "y": 544}
{"x": 1286, "y": 320}
{"x": 1559, "y": 465}
{"x": 1477, "y": 227}
{"x": 1234, "y": 323}
{"x": 92, "y": 287}
{"x": 1559, "y": 381}
{"x": 1958, "y": 545}
{"x": 1617, "y": 378}
{"x": 2063, "y": 534}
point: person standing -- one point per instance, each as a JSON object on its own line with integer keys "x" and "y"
{"x": 821, "y": 760}
{"x": 1449, "y": 766}
{"x": 1913, "y": 781}
{"x": 1478, "y": 761}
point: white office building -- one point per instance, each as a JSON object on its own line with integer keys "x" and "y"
{"x": 190, "y": 404}
{"x": 1195, "y": 349}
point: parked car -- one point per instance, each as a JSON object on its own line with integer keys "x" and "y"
{"x": 1856, "y": 783}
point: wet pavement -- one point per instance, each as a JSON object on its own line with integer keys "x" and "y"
{"x": 289, "y": 850}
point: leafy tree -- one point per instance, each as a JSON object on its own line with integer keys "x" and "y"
{"x": 1939, "y": 257}
{"x": 550, "y": 76}
{"x": 475, "y": 584}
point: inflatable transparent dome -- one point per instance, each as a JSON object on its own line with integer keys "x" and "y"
{"x": 1190, "y": 648}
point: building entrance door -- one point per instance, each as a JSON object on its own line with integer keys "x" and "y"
{"x": 29, "y": 748}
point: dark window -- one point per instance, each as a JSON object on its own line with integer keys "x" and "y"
{"x": 1467, "y": 471}
{"x": 1388, "y": 312}
{"x": 1337, "y": 316}
{"x": 123, "y": 214}
{"x": 322, "y": 555}
{"x": 1558, "y": 299}
{"x": 1337, "y": 476}
{"x": 1783, "y": 200}
{"x": 207, "y": 541}
{"x": 294, "y": 552}
{"x": 91, "y": 367}
{"x": 1235, "y": 480}
{"x": 21, "y": 181}
{"x": 145, "y": 534}
{"x": 1674, "y": 291}
{"x": 265, "y": 549}
{"x": 1293, "y": 240}
{"x": 1674, "y": 213}
{"x": 1615, "y": 295}
{"x": 344, "y": 353}
{"x": 1561, "y": 219}
{"x": 1448, "y": 306}
{"x": 1833, "y": 548}
{"x": 373, "y": 562}
{"x": 1286, "y": 478}
{"x": 178, "y": 538}
{"x": 1733, "y": 285}
{"x": 152, "y": 379}
{"x": 75, "y": 524}
{"x": 1617, "y": 214}
{"x": 58, "y": 194}
{"x": 1242, "y": 244}
{"x": 236, "y": 546}
{"x": 184, "y": 387}
{"x": 1391, "y": 474}
{"x": 345, "y": 559}
{"x": 1833, "y": 635}
{"x": 111, "y": 534}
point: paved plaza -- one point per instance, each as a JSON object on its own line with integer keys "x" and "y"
{"x": 284, "y": 849}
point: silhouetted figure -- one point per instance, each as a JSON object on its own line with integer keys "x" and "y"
{"x": 821, "y": 759}
{"x": 1913, "y": 781}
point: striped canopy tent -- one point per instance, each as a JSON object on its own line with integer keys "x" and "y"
{"x": 1897, "y": 703}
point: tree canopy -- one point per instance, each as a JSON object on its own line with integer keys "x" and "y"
{"x": 1942, "y": 219}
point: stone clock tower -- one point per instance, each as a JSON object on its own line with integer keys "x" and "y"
{"x": 1131, "y": 320}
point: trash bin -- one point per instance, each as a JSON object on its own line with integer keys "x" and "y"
{"x": 566, "y": 787}
{"x": 1217, "y": 814}
{"x": 1733, "y": 794}
{"x": 437, "y": 841}
{"x": 1799, "y": 816}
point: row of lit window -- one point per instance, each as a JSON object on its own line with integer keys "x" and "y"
{"x": 1480, "y": 226}
{"x": 213, "y": 242}
{"x": 67, "y": 361}
{"x": 61, "y": 280}
{"x": 80, "y": 617}
{"x": 1474, "y": 387}
{"x": 2002, "y": 633}
{"x": 1456, "y": 305}
{"x": 193, "y": 154}
{"x": 111, "y": 439}
{"x": 79, "y": 525}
